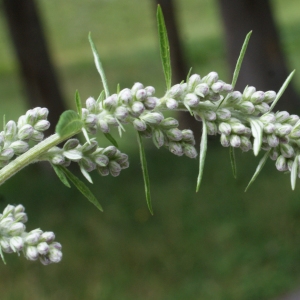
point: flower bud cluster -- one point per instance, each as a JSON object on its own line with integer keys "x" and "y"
{"x": 89, "y": 156}
{"x": 35, "y": 244}
{"x": 15, "y": 138}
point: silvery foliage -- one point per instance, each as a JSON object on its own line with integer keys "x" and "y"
{"x": 34, "y": 244}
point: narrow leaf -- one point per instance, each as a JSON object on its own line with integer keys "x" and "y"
{"x": 282, "y": 89}
{"x": 257, "y": 132}
{"x": 240, "y": 59}
{"x": 203, "y": 148}
{"x": 145, "y": 172}
{"x": 61, "y": 175}
{"x": 69, "y": 122}
{"x": 86, "y": 135}
{"x": 258, "y": 169}
{"x": 78, "y": 104}
{"x": 82, "y": 188}
{"x": 189, "y": 74}
{"x": 2, "y": 256}
{"x": 233, "y": 161}
{"x": 164, "y": 46}
{"x": 111, "y": 139}
{"x": 294, "y": 173}
{"x": 86, "y": 174}
{"x": 101, "y": 97}
{"x": 99, "y": 66}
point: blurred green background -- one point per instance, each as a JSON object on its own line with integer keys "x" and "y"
{"x": 221, "y": 243}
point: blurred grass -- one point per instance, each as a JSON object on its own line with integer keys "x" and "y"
{"x": 221, "y": 243}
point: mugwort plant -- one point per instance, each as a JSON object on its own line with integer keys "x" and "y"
{"x": 244, "y": 120}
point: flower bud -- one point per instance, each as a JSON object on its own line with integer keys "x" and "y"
{"x": 193, "y": 81}
{"x": 31, "y": 253}
{"x": 150, "y": 90}
{"x": 147, "y": 133}
{"x": 287, "y": 150}
{"x": 21, "y": 217}
{"x": 282, "y": 116}
{"x": 262, "y": 108}
{"x": 114, "y": 168}
{"x": 5, "y": 245}
{"x": 37, "y": 136}
{"x": 137, "y": 86}
{"x": 6, "y": 154}
{"x": 245, "y": 144}
{"x": 125, "y": 96}
{"x": 249, "y": 90}
{"x": 225, "y": 140}
{"x": 257, "y": 97}
{"x": 174, "y": 134}
{"x": 188, "y": 136}
{"x": 176, "y": 148}
{"x": 19, "y": 209}
{"x": 31, "y": 116}
{"x": 268, "y": 118}
{"x": 175, "y": 91}
{"x": 190, "y": 151}
{"x": 171, "y": 103}
{"x": 211, "y": 128}
{"x": 103, "y": 126}
{"x": 43, "y": 113}
{"x": 101, "y": 160}
{"x": 10, "y": 130}
{"x": 150, "y": 102}
{"x": 122, "y": 158}
{"x": 274, "y": 153}
{"x": 110, "y": 151}
{"x": 91, "y": 105}
{"x": 47, "y": 236}
{"x": 191, "y": 100}
{"x": 152, "y": 118}
{"x": 42, "y": 248}
{"x": 272, "y": 140}
{"x": 22, "y": 121}
{"x": 70, "y": 144}
{"x": 19, "y": 147}
{"x": 55, "y": 255}
{"x": 213, "y": 97}
{"x": 269, "y": 96}
{"x": 217, "y": 86}
{"x": 209, "y": 115}
{"x": 111, "y": 120}
{"x": 235, "y": 141}
{"x": 234, "y": 98}
{"x": 158, "y": 138}
{"x": 247, "y": 107}
{"x": 223, "y": 114}
{"x": 202, "y": 90}
{"x": 269, "y": 128}
{"x": 25, "y": 132}
{"x": 224, "y": 128}
{"x": 103, "y": 171}
{"x": 89, "y": 148}
{"x": 139, "y": 125}
{"x": 121, "y": 113}
{"x": 137, "y": 108}
{"x": 284, "y": 130}
{"x": 292, "y": 120}
{"x": 2, "y": 140}
{"x": 211, "y": 78}
{"x": 227, "y": 88}
{"x": 238, "y": 128}
{"x": 169, "y": 123}
{"x": 9, "y": 209}
{"x": 281, "y": 163}
{"x": 16, "y": 243}
{"x": 87, "y": 164}
{"x": 16, "y": 229}
{"x": 33, "y": 236}
{"x": 141, "y": 95}
{"x": 110, "y": 102}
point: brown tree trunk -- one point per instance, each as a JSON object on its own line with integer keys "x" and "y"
{"x": 264, "y": 65}
{"x": 38, "y": 74}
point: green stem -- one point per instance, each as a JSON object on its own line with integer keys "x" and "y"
{"x": 31, "y": 156}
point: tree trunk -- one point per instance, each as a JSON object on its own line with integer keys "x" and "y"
{"x": 264, "y": 65}
{"x": 30, "y": 45}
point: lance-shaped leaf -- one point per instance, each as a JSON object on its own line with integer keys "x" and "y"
{"x": 61, "y": 175}
{"x": 294, "y": 172}
{"x": 111, "y": 139}
{"x": 99, "y": 66}
{"x": 69, "y": 123}
{"x": 145, "y": 172}
{"x": 164, "y": 46}
{"x": 259, "y": 168}
{"x": 78, "y": 104}
{"x": 202, "y": 155}
{"x": 257, "y": 132}
{"x": 81, "y": 187}
{"x": 232, "y": 161}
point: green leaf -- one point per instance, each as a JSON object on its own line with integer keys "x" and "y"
{"x": 294, "y": 173}
{"x": 101, "y": 97}
{"x": 164, "y": 46}
{"x": 81, "y": 187}
{"x": 78, "y": 104}
{"x": 240, "y": 59}
{"x": 258, "y": 169}
{"x": 145, "y": 172}
{"x": 99, "y": 66}
{"x": 257, "y": 132}
{"x": 2, "y": 256}
{"x": 202, "y": 155}
{"x": 189, "y": 74}
{"x": 69, "y": 123}
{"x": 233, "y": 161}
{"x": 111, "y": 139}
{"x": 61, "y": 175}
{"x": 282, "y": 89}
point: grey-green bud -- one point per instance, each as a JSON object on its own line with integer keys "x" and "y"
{"x": 202, "y": 89}
{"x": 19, "y": 147}
{"x": 171, "y": 103}
{"x": 249, "y": 90}
{"x": 269, "y": 96}
{"x": 287, "y": 150}
{"x": 158, "y": 138}
{"x": 257, "y": 97}
{"x": 176, "y": 148}
{"x": 281, "y": 163}
{"x": 190, "y": 151}
{"x": 153, "y": 118}
{"x": 224, "y": 128}
{"x": 223, "y": 114}
{"x": 139, "y": 125}
{"x": 174, "y": 134}
{"x": 235, "y": 141}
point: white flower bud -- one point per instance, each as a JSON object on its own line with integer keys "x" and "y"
{"x": 273, "y": 140}
{"x": 10, "y": 130}
{"x": 122, "y": 158}
{"x": 37, "y": 136}
{"x": 257, "y": 97}
{"x": 281, "y": 163}
{"x": 22, "y": 121}
{"x": 176, "y": 148}
{"x": 87, "y": 164}
{"x": 9, "y": 209}
{"x": 188, "y": 136}
{"x": 6, "y": 154}
{"x": 190, "y": 151}
{"x": 103, "y": 126}
{"x": 223, "y": 114}
{"x": 245, "y": 144}
{"x": 217, "y": 87}
{"x": 287, "y": 150}
{"x": 282, "y": 116}
{"x": 150, "y": 90}
{"x": 110, "y": 151}
{"x": 25, "y": 132}
{"x": 225, "y": 140}
{"x": 292, "y": 120}
{"x": 168, "y": 123}
{"x": 103, "y": 171}
{"x": 262, "y": 108}
{"x": 111, "y": 120}
{"x": 171, "y": 103}
{"x": 138, "y": 107}
{"x": 45, "y": 260}
{"x": 5, "y": 245}
{"x": 269, "y": 128}
{"x": 235, "y": 141}
{"x": 249, "y": 90}
{"x": 209, "y": 115}
{"x": 284, "y": 130}
{"x": 16, "y": 229}
{"x": 158, "y": 138}
{"x": 202, "y": 90}
{"x": 213, "y": 97}
{"x": 31, "y": 253}
{"x": 84, "y": 113}
{"x": 31, "y": 116}
{"x": 58, "y": 159}
{"x": 43, "y": 248}
{"x": 151, "y": 102}
{"x": 211, "y": 128}
{"x": 191, "y": 100}
{"x": 137, "y": 86}
{"x": 19, "y": 208}
{"x": 16, "y": 243}
{"x": 224, "y": 128}
{"x": 238, "y": 128}
{"x": 121, "y": 113}
{"x": 41, "y": 125}
{"x": 247, "y": 107}
{"x": 269, "y": 96}
{"x": 47, "y": 236}
{"x": 43, "y": 113}
{"x": 114, "y": 168}
{"x": 174, "y": 134}
{"x": 139, "y": 125}
{"x": 227, "y": 88}
{"x": 70, "y": 144}
{"x": 274, "y": 153}
{"x": 19, "y": 147}
{"x": 268, "y": 118}
{"x": 55, "y": 255}
{"x": 193, "y": 81}
{"x": 21, "y": 217}
{"x": 91, "y": 104}
{"x": 211, "y": 78}
{"x": 33, "y": 236}
{"x": 175, "y": 91}
{"x": 101, "y": 160}
{"x": 125, "y": 96}
{"x": 110, "y": 102}
{"x": 153, "y": 118}
{"x": 141, "y": 95}
{"x": 2, "y": 140}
